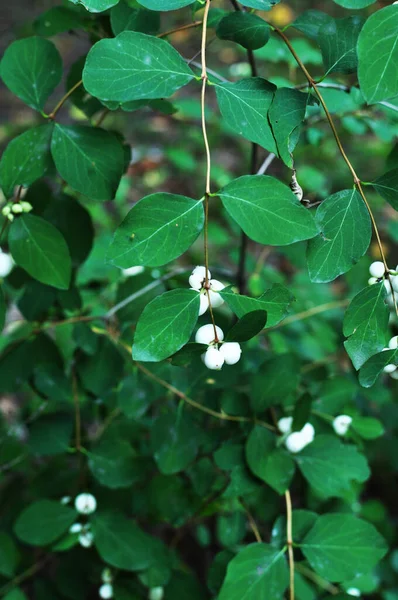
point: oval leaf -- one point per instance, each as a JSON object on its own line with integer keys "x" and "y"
{"x": 90, "y": 160}
{"x": 157, "y": 230}
{"x": 40, "y": 249}
{"x": 26, "y": 158}
{"x": 165, "y": 325}
{"x": 250, "y": 31}
{"x": 165, "y": 4}
{"x": 267, "y": 210}
{"x": 378, "y": 55}
{"x": 134, "y": 66}
{"x": 387, "y": 186}
{"x": 43, "y": 522}
{"x": 346, "y": 231}
{"x": 31, "y": 68}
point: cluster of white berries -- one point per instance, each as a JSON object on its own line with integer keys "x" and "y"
{"x": 218, "y": 351}
{"x": 106, "y": 589}
{"x": 197, "y": 281}
{"x": 85, "y": 504}
{"x": 6, "y": 263}
{"x": 378, "y": 273}
{"x": 392, "y": 369}
{"x": 16, "y": 208}
{"x": 297, "y": 440}
{"x": 341, "y": 424}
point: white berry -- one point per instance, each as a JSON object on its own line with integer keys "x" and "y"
{"x": 197, "y": 277}
{"x": 389, "y": 369}
{"x": 85, "y": 504}
{"x": 377, "y": 269}
{"x": 215, "y": 287}
{"x": 17, "y": 208}
{"x": 372, "y": 280}
{"x": 131, "y": 271}
{"x": 6, "y": 210}
{"x": 76, "y": 528}
{"x": 231, "y": 351}
{"x": 393, "y": 343}
{"x": 295, "y": 442}
{"x": 285, "y": 424}
{"x": 26, "y": 206}
{"x": 205, "y": 334}
{"x": 355, "y": 591}
{"x": 341, "y": 424}
{"x": 65, "y": 499}
{"x": 213, "y": 359}
{"x": 394, "y": 281}
{"x": 86, "y": 539}
{"x": 204, "y": 303}
{"x": 308, "y": 433}
{"x": 6, "y": 264}
{"x": 156, "y": 593}
{"x": 106, "y": 591}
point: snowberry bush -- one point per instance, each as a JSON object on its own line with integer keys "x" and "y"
{"x": 198, "y": 301}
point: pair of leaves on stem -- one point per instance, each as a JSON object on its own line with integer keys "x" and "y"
{"x": 165, "y": 5}
{"x": 167, "y": 322}
{"x": 337, "y": 547}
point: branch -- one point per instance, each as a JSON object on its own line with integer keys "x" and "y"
{"x": 289, "y": 531}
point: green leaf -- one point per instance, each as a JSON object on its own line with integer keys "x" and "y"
{"x": 367, "y": 427}
{"x": 276, "y": 379}
{"x": 40, "y": 249}
{"x": 366, "y": 324}
{"x": 43, "y": 522}
{"x": 247, "y": 327}
{"x": 310, "y": 22}
{"x": 96, "y": 6}
{"x": 127, "y": 18}
{"x": 338, "y": 42}
{"x": 15, "y": 594}
{"x": 275, "y": 301}
{"x": 373, "y": 367}
{"x": 57, "y": 20}
{"x": 165, "y": 4}
{"x": 355, "y": 4}
{"x": 386, "y": 186}
{"x": 257, "y": 572}
{"x": 166, "y": 325}
{"x": 9, "y": 555}
{"x": 26, "y": 158}
{"x": 158, "y": 229}
{"x": 114, "y": 464}
{"x": 173, "y": 442}
{"x": 244, "y": 105}
{"x": 302, "y": 412}
{"x": 231, "y": 528}
{"x": 75, "y": 224}
{"x": 330, "y": 467}
{"x": 274, "y": 466}
{"x": 122, "y": 544}
{"x": 90, "y": 160}
{"x": 267, "y": 210}
{"x": 286, "y": 114}
{"x": 340, "y": 547}
{"x": 346, "y": 231}
{"x": 260, "y": 4}
{"x": 51, "y": 435}
{"x": 103, "y": 371}
{"x": 244, "y": 28}
{"x": 134, "y": 66}
{"x": 31, "y": 68}
{"x": 378, "y": 55}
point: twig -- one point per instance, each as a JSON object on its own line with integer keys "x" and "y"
{"x": 357, "y": 181}
{"x": 266, "y": 164}
{"x": 251, "y": 520}
{"x": 64, "y": 98}
{"x": 315, "y": 310}
{"x": 322, "y": 583}
{"x": 289, "y": 539}
{"x": 78, "y": 422}
{"x": 177, "y": 29}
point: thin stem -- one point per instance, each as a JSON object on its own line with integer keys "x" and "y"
{"x": 289, "y": 539}
{"x": 322, "y": 583}
{"x": 219, "y": 415}
{"x": 101, "y": 118}
{"x": 266, "y": 164}
{"x": 204, "y": 78}
{"x": 60, "y": 104}
{"x": 252, "y": 522}
{"x": 357, "y": 181}
{"x": 177, "y": 29}
{"x": 24, "y": 576}
{"x": 306, "y": 314}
